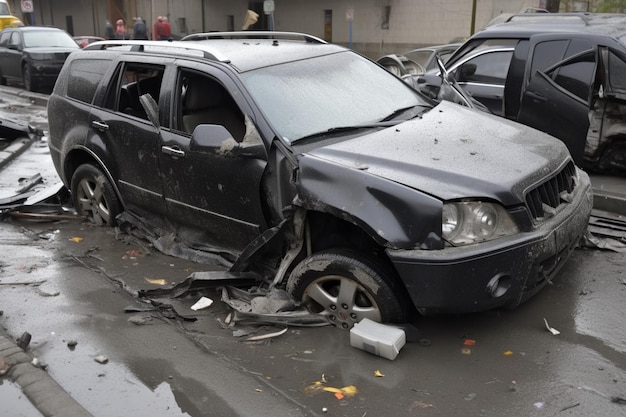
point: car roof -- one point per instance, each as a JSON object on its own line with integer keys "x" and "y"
{"x": 243, "y": 50}
{"x": 526, "y": 25}
{"x": 36, "y": 28}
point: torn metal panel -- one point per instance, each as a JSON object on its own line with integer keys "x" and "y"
{"x": 269, "y": 307}
{"x": 203, "y": 280}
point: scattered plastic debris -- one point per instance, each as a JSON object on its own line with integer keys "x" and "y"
{"x": 71, "y": 344}
{"x": 538, "y": 405}
{"x": 340, "y": 393}
{"x": 101, "y": 359}
{"x": 551, "y": 329}
{"x": 267, "y": 335}
{"x": 507, "y": 353}
{"x": 77, "y": 239}
{"x": 469, "y": 342}
{"x": 156, "y": 281}
{"x": 203, "y": 302}
{"x": 377, "y": 338}
{"x": 378, "y": 374}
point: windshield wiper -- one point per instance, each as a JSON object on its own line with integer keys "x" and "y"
{"x": 417, "y": 110}
{"x": 342, "y": 129}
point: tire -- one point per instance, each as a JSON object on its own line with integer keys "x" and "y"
{"x": 29, "y": 82}
{"x": 93, "y": 196}
{"x": 346, "y": 287}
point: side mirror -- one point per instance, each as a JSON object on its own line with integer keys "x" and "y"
{"x": 152, "y": 109}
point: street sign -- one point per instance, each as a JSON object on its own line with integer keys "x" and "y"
{"x": 27, "y": 6}
{"x": 268, "y": 6}
{"x": 350, "y": 15}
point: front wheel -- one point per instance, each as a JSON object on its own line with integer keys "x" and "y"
{"x": 30, "y": 83}
{"x": 346, "y": 288}
{"x": 93, "y": 196}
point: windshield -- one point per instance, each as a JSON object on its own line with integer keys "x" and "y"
{"x": 302, "y": 98}
{"x": 4, "y": 9}
{"x": 48, "y": 38}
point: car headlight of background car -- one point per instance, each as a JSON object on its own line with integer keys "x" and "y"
{"x": 468, "y": 222}
{"x": 41, "y": 57}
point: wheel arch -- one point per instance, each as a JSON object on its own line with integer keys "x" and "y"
{"x": 81, "y": 155}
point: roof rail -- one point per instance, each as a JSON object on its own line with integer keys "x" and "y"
{"x": 253, "y": 35}
{"x": 583, "y": 16}
{"x": 188, "y": 48}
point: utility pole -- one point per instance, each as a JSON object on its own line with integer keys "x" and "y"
{"x": 473, "y": 26}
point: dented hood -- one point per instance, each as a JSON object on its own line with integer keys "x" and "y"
{"x": 453, "y": 152}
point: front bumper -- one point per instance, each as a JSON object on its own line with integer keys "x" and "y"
{"x": 500, "y": 273}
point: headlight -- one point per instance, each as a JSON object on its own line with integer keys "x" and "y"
{"x": 470, "y": 222}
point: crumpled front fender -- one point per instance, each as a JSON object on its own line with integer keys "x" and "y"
{"x": 394, "y": 215}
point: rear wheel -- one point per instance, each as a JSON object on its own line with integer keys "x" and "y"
{"x": 346, "y": 288}
{"x": 93, "y": 196}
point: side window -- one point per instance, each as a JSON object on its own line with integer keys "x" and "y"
{"x": 85, "y": 75}
{"x": 576, "y": 76}
{"x": 489, "y": 68}
{"x": 547, "y": 54}
{"x": 4, "y": 38}
{"x": 617, "y": 73}
{"x": 135, "y": 80}
{"x": 204, "y": 100}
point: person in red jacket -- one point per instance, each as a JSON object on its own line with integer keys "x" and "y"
{"x": 167, "y": 30}
{"x": 157, "y": 29}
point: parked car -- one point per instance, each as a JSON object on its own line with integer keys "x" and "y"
{"x": 559, "y": 73}
{"x": 7, "y": 20}
{"x": 85, "y": 40}
{"x": 34, "y": 55}
{"x": 314, "y": 167}
{"x": 427, "y": 56}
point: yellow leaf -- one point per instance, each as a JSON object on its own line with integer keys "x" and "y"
{"x": 76, "y": 239}
{"x": 378, "y": 374}
{"x": 507, "y": 353}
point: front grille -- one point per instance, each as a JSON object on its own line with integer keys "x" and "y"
{"x": 543, "y": 200}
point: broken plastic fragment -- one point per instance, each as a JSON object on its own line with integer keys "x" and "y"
{"x": 267, "y": 335}
{"x": 507, "y": 353}
{"x": 378, "y": 374}
{"x": 156, "y": 281}
{"x": 203, "y": 302}
{"x": 469, "y": 342}
{"x": 101, "y": 359}
{"x": 77, "y": 239}
{"x": 551, "y": 329}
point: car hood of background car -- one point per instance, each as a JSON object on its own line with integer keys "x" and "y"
{"x": 51, "y": 50}
{"x": 452, "y": 152}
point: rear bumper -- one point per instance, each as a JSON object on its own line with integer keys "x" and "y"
{"x": 500, "y": 273}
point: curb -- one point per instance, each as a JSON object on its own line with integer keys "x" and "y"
{"x": 15, "y": 149}
{"x": 37, "y": 385}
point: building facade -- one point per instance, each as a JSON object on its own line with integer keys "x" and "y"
{"x": 373, "y": 27}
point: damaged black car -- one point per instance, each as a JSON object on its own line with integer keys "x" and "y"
{"x": 319, "y": 170}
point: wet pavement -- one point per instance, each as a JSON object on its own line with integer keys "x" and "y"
{"x": 70, "y": 282}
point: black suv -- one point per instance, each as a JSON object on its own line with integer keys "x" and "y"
{"x": 563, "y": 74}
{"x": 316, "y": 168}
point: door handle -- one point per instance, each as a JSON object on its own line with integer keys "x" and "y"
{"x": 173, "y": 151}
{"x": 101, "y": 126}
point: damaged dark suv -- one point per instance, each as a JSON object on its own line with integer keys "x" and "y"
{"x": 319, "y": 170}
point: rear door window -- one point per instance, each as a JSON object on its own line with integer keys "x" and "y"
{"x": 133, "y": 81}
{"x": 85, "y": 76}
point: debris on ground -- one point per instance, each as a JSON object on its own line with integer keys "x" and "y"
{"x": 606, "y": 231}
{"x": 203, "y": 302}
{"x": 101, "y": 359}
{"x": 5, "y": 365}
{"x": 551, "y": 329}
{"x": 24, "y": 340}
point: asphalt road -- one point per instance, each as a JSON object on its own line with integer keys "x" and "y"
{"x": 66, "y": 282}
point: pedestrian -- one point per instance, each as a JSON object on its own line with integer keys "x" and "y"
{"x": 167, "y": 30}
{"x": 109, "y": 33}
{"x": 139, "y": 29}
{"x": 120, "y": 30}
{"x": 157, "y": 29}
